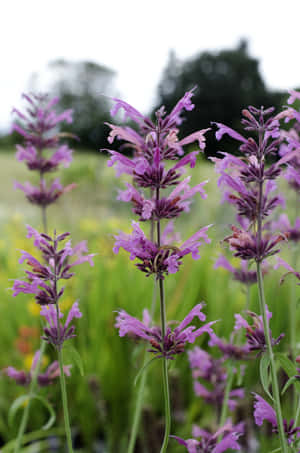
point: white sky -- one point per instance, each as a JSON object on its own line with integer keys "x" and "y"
{"x": 134, "y": 37}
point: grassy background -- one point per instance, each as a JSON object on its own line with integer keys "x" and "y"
{"x": 102, "y": 401}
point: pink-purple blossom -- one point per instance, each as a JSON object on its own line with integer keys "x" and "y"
{"x": 43, "y": 276}
{"x": 54, "y": 333}
{"x": 165, "y": 259}
{"x": 173, "y": 342}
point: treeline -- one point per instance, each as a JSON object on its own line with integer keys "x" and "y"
{"x": 224, "y": 81}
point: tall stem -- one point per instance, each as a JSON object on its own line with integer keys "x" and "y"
{"x": 140, "y": 395}
{"x": 32, "y": 389}
{"x": 262, "y": 302}
{"x": 65, "y": 401}
{"x": 228, "y": 387}
{"x": 164, "y": 360}
{"x": 165, "y": 372}
{"x": 35, "y": 373}
{"x": 275, "y": 388}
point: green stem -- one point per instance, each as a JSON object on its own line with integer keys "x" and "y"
{"x": 65, "y": 401}
{"x": 275, "y": 388}
{"x": 33, "y": 384}
{"x": 140, "y": 395}
{"x": 163, "y": 321}
{"x": 165, "y": 372}
{"x": 32, "y": 389}
{"x": 229, "y": 382}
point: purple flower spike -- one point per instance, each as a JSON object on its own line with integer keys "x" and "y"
{"x": 44, "y": 379}
{"x": 39, "y": 130}
{"x": 174, "y": 340}
{"x": 211, "y": 443}
{"x": 57, "y": 335}
{"x": 44, "y": 277}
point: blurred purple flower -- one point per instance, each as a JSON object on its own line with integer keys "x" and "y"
{"x": 255, "y": 333}
{"x": 225, "y": 438}
{"x": 43, "y": 195}
{"x": 264, "y": 411}
{"x": 38, "y": 127}
{"x": 283, "y": 224}
{"x": 44, "y": 379}
{"x": 280, "y": 262}
{"x": 243, "y": 274}
{"x": 213, "y": 373}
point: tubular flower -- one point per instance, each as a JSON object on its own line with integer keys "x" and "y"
{"x": 174, "y": 340}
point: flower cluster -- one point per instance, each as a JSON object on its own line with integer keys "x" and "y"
{"x": 55, "y": 333}
{"x": 154, "y": 145}
{"x": 174, "y": 340}
{"x": 154, "y": 259}
{"x": 42, "y": 150}
{"x": 224, "y": 439}
{"x": 43, "y": 277}
{"x": 212, "y": 372}
{"x": 44, "y": 379}
{"x": 248, "y": 183}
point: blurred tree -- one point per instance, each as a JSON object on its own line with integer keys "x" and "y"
{"x": 83, "y": 87}
{"x": 226, "y": 82}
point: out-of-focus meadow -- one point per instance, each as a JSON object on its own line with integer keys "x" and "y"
{"x": 102, "y": 400}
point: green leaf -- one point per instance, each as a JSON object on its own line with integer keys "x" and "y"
{"x": 288, "y": 384}
{"x": 31, "y": 437}
{"x": 264, "y": 374}
{"x": 143, "y": 369}
{"x": 71, "y": 354}
{"x": 21, "y": 400}
{"x": 289, "y": 367}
